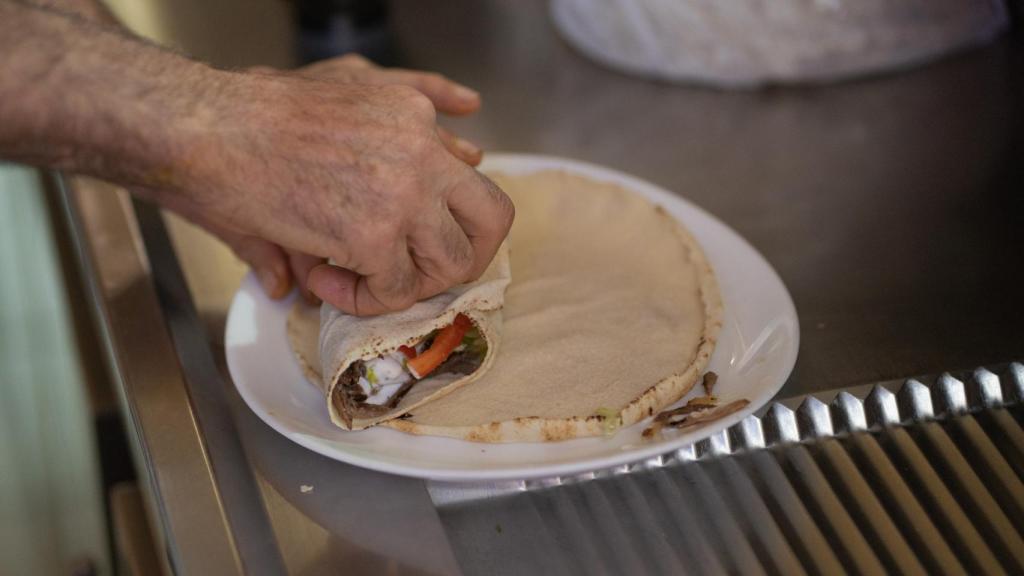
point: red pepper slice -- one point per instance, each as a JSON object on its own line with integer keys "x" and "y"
{"x": 410, "y": 353}
{"x": 446, "y": 341}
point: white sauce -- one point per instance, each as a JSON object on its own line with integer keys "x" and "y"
{"x": 390, "y": 374}
{"x": 389, "y": 369}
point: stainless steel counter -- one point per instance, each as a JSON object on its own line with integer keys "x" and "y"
{"x": 891, "y": 207}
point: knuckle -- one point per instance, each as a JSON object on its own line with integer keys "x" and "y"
{"x": 400, "y": 294}
{"x": 416, "y": 104}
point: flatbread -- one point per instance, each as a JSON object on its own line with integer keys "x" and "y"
{"x": 328, "y": 343}
{"x": 303, "y": 327}
{"x": 613, "y": 311}
{"x": 612, "y": 314}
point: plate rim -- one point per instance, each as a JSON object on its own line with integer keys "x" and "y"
{"x": 494, "y": 161}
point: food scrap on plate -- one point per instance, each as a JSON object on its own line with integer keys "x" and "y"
{"x": 697, "y": 411}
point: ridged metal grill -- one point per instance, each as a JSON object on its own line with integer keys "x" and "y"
{"x": 925, "y": 480}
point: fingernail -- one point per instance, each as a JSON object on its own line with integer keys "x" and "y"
{"x": 269, "y": 281}
{"x": 466, "y": 147}
{"x": 463, "y": 93}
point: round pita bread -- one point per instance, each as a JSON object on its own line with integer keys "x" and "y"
{"x": 612, "y": 309}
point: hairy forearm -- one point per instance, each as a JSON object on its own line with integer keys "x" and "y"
{"x": 84, "y": 97}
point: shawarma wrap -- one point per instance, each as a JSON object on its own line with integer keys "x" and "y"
{"x": 380, "y": 367}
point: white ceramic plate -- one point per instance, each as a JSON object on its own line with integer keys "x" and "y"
{"x": 755, "y": 354}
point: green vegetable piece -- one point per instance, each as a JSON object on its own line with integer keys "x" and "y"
{"x": 479, "y": 348}
{"x": 475, "y": 342}
{"x": 371, "y": 376}
{"x": 611, "y": 420}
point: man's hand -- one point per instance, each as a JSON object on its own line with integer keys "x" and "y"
{"x": 357, "y": 173}
{"x": 277, "y": 267}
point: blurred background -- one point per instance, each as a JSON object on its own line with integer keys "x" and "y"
{"x": 871, "y": 152}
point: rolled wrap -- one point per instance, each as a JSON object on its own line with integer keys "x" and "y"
{"x": 345, "y": 339}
